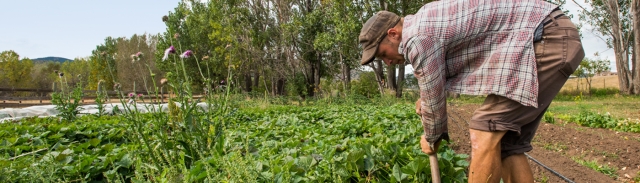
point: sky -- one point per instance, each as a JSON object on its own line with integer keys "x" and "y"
{"x": 73, "y": 28}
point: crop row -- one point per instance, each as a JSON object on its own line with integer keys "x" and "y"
{"x": 331, "y": 143}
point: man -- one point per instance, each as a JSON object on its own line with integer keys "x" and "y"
{"x": 517, "y": 52}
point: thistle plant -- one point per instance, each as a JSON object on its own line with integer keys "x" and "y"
{"x": 67, "y": 102}
{"x": 101, "y": 96}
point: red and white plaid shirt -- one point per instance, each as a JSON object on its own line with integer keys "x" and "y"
{"x": 473, "y": 47}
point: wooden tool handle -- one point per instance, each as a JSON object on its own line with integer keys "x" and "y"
{"x": 435, "y": 169}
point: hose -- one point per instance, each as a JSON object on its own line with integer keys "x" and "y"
{"x": 551, "y": 170}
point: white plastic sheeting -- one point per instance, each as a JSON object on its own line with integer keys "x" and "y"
{"x": 50, "y": 110}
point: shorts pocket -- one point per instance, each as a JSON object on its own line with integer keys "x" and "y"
{"x": 572, "y": 54}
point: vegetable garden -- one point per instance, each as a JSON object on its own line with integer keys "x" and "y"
{"x": 335, "y": 143}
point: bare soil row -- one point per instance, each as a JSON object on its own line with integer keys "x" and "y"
{"x": 559, "y": 145}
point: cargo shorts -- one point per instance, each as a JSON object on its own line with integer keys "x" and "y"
{"x": 558, "y": 55}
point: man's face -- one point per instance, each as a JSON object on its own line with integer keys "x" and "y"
{"x": 388, "y": 52}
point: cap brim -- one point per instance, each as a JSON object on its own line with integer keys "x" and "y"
{"x": 368, "y": 55}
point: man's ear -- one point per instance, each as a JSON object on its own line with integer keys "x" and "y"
{"x": 393, "y": 33}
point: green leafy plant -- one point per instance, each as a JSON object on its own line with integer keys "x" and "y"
{"x": 597, "y": 120}
{"x": 287, "y": 143}
{"x": 549, "y": 117}
{"x": 67, "y": 103}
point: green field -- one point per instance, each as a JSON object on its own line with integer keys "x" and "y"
{"x": 272, "y": 143}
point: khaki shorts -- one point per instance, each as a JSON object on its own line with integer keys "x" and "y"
{"x": 558, "y": 55}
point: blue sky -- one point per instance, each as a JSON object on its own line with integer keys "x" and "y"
{"x": 73, "y": 28}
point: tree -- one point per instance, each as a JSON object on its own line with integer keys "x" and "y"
{"x": 340, "y": 42}
{"x": 618, "y": 21}
{"x": 77, "y": 71}
{"x": 43, "y": 75}
{"x": 208, "y": 29}
{"x": 592, "y": 67}
{"x": 103, "y": 64}
{"x": 15, "y": 72}
{"x": 135, "y": 62}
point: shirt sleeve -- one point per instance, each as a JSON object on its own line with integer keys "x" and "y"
{"x": 427, "y": 58}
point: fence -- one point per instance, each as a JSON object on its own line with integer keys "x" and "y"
{"x": 45, "y": 97}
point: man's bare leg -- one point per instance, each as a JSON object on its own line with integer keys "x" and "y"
{"x": 515, "y": 168}
{"x": 486, "y": 165}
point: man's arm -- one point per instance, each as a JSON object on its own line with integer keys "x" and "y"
{"x": 428, "y": 60}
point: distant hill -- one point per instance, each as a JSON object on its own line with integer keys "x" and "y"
{"x": 53, "y": 59}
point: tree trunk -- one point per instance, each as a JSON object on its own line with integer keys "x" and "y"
{"x": 274, "y": 86}
{"x": 346, "y": 75}
{"x": 256, "y": 79}
{"x": 391, "y": 77}
{"x": 383, "y": 5}
{"x": 400, "y": 83}
{"x": 620, "y": 48}
{"x": 247, "y": 82}
{"x": 376, "y": 65}
{"x": 280, "y": 87}
{"x": 311, "y": 80}
{"x": 316, "y": 84}
{"x": 635, "y": 78}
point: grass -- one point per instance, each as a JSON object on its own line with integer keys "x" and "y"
{"x": 558, "y": 147}
{"x": 544, "y": 178}
{"x": 598, "y": 82}
{"x": 609, "y": 155}
{"x": 617, "y": 105}
{"x": 593, "y": 164}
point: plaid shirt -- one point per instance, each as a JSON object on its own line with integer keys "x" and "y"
{"x": 473, "y": 47}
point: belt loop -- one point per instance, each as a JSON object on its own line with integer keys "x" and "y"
{"x": 553, "y": 19}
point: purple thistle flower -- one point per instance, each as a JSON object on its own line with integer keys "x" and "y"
{"x": 186, "y": 54}
{"x": 140, "y": 95}
{"x": 132, "y": 94}
{"x": 136, "y": 57}
{"x": 167, "y": 52}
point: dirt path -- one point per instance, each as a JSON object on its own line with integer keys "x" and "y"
{"x": 558, "y": 146}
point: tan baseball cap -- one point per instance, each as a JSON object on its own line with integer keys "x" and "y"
{"x": 373, "y": 31}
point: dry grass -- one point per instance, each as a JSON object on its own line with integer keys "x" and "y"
{"x": 574, "y": 84}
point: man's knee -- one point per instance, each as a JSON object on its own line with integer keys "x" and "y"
{"x": 485, "y": 140}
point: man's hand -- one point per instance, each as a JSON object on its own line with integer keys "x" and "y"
{"x": 418, "y": 106}
{"x": 424, "y": 145}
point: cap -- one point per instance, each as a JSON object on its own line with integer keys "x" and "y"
{"x": 373, "y": 31}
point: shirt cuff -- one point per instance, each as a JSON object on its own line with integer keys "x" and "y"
{"x": 432, "y": 139}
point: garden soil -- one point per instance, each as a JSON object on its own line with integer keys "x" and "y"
{"x": 559, "y": 145}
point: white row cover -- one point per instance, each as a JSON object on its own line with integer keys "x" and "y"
{"x": 50, "y": 110}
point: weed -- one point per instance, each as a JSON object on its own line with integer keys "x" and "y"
{"x": 558, "y": 147}
{"x": 549, "y": 117}
{"x": 544, "y": 178}
{"x": 67, "y": 103}
{"x": 593, "y": 164}
{"x": 609, "y": 155}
